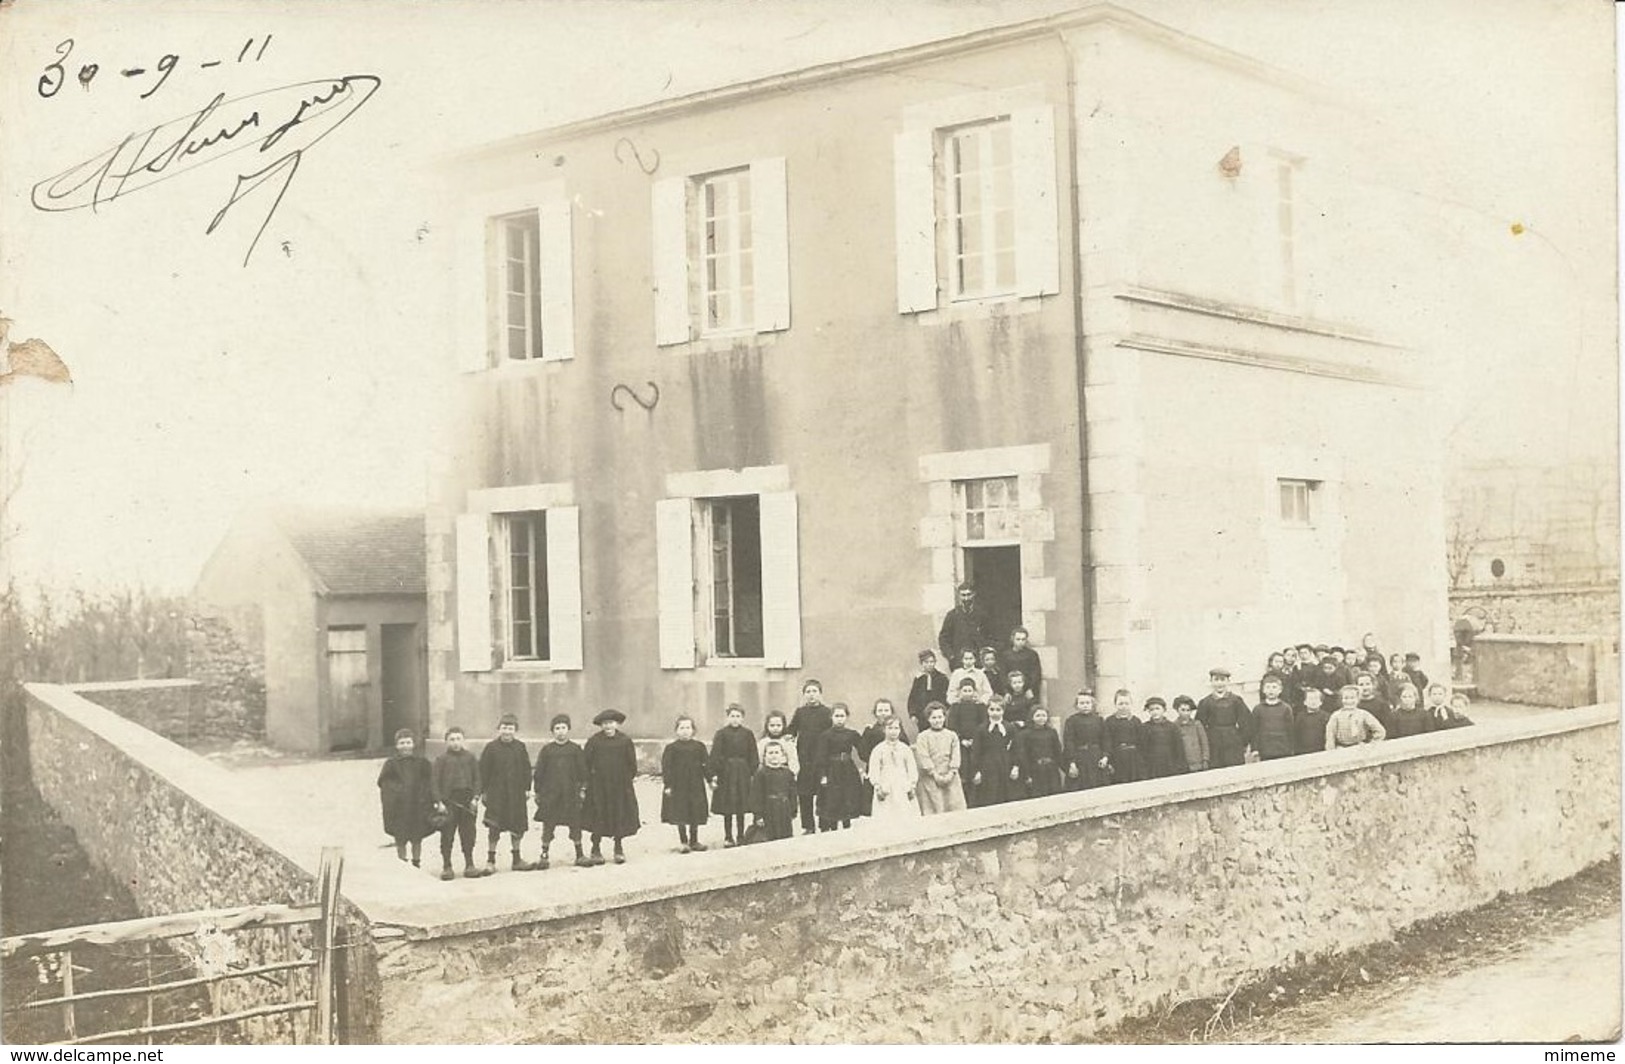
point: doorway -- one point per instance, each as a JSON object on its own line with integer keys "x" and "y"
{"x": 402, "y": 682}
{"x": 995, "y": 573}
{"x": 348, "y": 685}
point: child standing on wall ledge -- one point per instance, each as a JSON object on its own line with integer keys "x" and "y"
{"x": 894, "y": 773}
{"x": 840, "y": 783}
{"x": 682, "y": 786}
{"x": 611, "y": 807}
{"x": 1192, "y": 734}
{"x": 560, "y": 783}
{"x": 937, "y": 751}
{"x": 454, "y": 783}
{"x": 773, "y": 792}
{"x": 1351, "y": 725}
{"x": 404, "y": 790}
{"x": 733, "y": 763}
{"x": 505, "y": 772}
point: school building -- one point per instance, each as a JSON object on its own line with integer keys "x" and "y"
{"x": 1102, "y": 318}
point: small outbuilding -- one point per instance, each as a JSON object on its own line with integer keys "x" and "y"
{"x": 334, "y": 600}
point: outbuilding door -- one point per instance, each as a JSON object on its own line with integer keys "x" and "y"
{"x": 348, "y": 687}
{"x": 403, "y": 682}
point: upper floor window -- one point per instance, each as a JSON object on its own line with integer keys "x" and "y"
{"x": 519, "y": 276}
{"x": 1297, "y": 502}
{"x": 721, "y": 253}
{"x": 727, "y": 276}
{"x": 977, "y": 213}
{"x": 981, "y": 210}
{"x": 515, "y": 284}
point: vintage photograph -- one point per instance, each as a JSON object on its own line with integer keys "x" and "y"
{"x": 920, "y": 522}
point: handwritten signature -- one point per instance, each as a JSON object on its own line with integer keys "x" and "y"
{"x": 285, "y": 122}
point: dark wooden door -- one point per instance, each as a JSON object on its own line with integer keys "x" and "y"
{"x": 349, "y": 684}
{"x": 403, "y": 682}
{"x": 995, "y": 573}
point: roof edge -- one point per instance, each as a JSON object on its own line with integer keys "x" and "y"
{"x": 1098, "y": 12}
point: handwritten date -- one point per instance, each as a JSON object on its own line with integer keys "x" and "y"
{"x": 55, "y": 74}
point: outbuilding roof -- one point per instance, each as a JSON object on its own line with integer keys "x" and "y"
{"x": 358, "y": 552}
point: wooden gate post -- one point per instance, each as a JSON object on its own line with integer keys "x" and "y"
{"x": 332, "y": 870}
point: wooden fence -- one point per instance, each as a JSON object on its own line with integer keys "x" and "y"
{"x": 54, "y": 949}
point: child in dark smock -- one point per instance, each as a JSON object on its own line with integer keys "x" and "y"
{"x": 733, "y": 763}
{"x": 1124, "y": 739}
{"x": 773, "y": 793}
{"x": 611, "y": 806}
{"x": 404, "y": 790}
{"x": 1164, "y": 752}
{"x": 560, "y": 783}
{"x": 840, "y": 783}
{"x": 682, "y": 785}
{"x": 505, "y": 774}
{"x": 1038, "y": 756}
{"x": 455, "y": 784}
{"x": 990, "y": 759}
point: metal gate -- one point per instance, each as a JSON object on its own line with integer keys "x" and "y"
{"x": 300, "y": 984}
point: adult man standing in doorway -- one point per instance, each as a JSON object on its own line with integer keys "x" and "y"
{"x": 964, "y": 627}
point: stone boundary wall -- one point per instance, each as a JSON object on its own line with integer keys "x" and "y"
{"x": 172, "y": 708}
{"x": 1539, "y": 670}
{"x": 1592, "y": 609}
{"x": 173, "y": 827}
{"x": 1047, "y": 920}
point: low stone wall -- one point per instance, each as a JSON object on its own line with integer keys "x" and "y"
{"x": 172, "y": 708}
{"x": 171, "y": 825}
{"x": 1047, "y": 920}
{"x": 1538, "y": 670}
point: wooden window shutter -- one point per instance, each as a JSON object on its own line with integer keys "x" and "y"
{"x": 471, "y": 322}
{"x": 674, "y": 558}
{"x": 669, "y": 202}
{"x": 555, "y": 267}
{"x": 770, "y": 228}
{"x": 564, "y": 587}
{"x": 1032, "y": 139}
{"x": 781, "y": 581}
{"x": 914, "y": 152}
{"x": 474, "y": 646}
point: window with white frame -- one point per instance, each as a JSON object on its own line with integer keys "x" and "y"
{"x": 980, "y": 210}
{"x": 729, "y": 581}
{"x": 518, "y": 574}
{"x": 519, "y": 278}
{"x": 524, "y": 582}
{"x": 976, "y": 208}
{"x": 1297, "y": 502}
{"x": 731, "y": 576}
{"x": 987, "y": 511}
{"x": 721, "y": 253}
{"x": 727, "y": 274}
{"x": 515, "y": 284}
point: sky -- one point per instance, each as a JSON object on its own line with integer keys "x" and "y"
{"x": 311, "y": 374}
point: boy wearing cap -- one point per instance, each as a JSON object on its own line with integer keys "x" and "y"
{"x": 611, "y": 806}
{"x": 454, "y": 783}
{"x": 560, "y": 783}
{"x": 505, "y": 773}
{"x": 1227, "y": 720}
{"x": 931, "y": 685}
{"x": 1164, "y": 750}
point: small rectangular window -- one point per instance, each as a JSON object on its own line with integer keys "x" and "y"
{"x": 987, "y": 511}
{"x": 1298, "y": 502}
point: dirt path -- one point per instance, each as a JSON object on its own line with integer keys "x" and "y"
{"x": 1555, "y": 989}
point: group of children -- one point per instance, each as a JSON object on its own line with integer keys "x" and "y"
{"x": 974, "y": 743}
{"x": 584, "y": 789}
